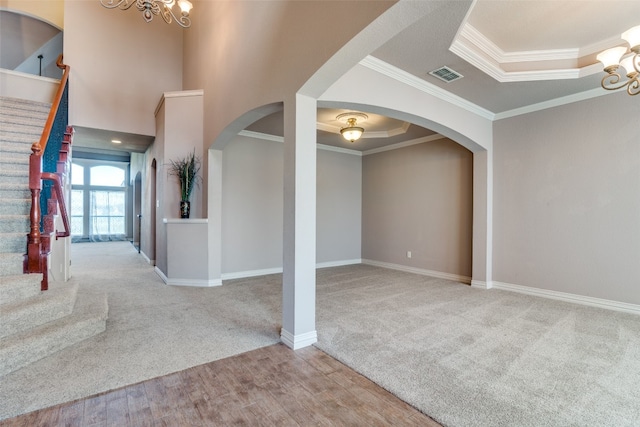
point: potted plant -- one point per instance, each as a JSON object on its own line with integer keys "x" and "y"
{"x": 186, "y": 169}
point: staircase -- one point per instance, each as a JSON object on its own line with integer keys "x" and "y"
{"x": 33, "y": 324}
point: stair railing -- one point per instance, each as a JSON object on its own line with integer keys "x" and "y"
{"x": 35, "y": 258}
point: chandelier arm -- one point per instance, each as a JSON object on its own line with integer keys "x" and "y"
{"x": 636, "y": 62}
{"x": 634, "y": 85}
{"x": 112, "y": 4}
{"x": 612, "y": 81}
{"x": 169, "y": 15}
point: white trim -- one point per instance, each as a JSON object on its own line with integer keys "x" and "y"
{"x": 146, "y": 258}
{"x": 185, "y": 220}
{"x": 481, "y": 284}
{"x": 573, "y": 298}
{"x": 338, "y": 263}
{"x": 251, "y": 273}
{"x": 177, "y": 94}
{"x": 339, "y": 150}
{"x": 404, "y": 144}
{"x": 199, "y": 283}
{"x": 421, "y": 271}
{"x": 260, "y": 135}
{"x": 402, "y": 76}
{"x": 472, "y": 46}
{"x": 278, "y": 270}
{"x": 569, "y": 99}
{"x": 296, "y": 342}
{"x": 29, "y": 76}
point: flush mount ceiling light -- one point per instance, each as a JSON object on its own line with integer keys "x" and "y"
{"x": 628, "y": 58}
{"x": 351, "y": 132}
{"x": 149, "y": 8}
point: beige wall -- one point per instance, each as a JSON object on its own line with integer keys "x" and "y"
{"x": 51, "y": 11}
{"x": 419, "y": 199}
{"x": 567, "y": 199}
{"x": 247, "y": 54}
{"x": 120, "y": 66}
{"x": 252, "y": 206}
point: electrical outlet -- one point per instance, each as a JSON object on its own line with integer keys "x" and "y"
{"x": 408, "y": 254}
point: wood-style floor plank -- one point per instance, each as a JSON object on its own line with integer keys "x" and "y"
{"x": 271, "y": 386}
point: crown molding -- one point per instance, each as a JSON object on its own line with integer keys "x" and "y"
{"x": 472, "y": 46}
{"x": 404, "y": 144}
{"x": 402, "y": 76}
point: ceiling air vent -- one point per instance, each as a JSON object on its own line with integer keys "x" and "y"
{"x": 446, "y": 74}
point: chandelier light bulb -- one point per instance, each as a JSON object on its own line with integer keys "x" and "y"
{"x": 632, "y": 36}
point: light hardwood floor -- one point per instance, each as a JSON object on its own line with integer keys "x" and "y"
{"x": 271, "y": 386}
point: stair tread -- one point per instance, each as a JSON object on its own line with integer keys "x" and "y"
{"x": 88, "y": 318}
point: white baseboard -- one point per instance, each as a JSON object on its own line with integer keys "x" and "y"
{"x": 421, "y": 271}
{"x": 251, "y": 273}
{"x": 481, "y": 284}
{"x": 146, "y": 258}
{"x": 338, "y": 263}
{"x": 201, "y": 283}
{"x": 563, "y": 296}
{"x": 296, "y": 342}
{"x": 278, "y": 270}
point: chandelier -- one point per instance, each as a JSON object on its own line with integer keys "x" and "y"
{"x": 149, "y": 8}
{"x": 627, "y": 58}
{"x": 352, "y": 132}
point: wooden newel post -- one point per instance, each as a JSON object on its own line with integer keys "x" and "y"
{"x": 33, "y": 258}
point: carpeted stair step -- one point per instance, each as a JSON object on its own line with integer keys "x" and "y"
{"x": 15, "y": 206}
{"x": 13, "y": 243}
{"x": 11, "y": 265}
{"x": 9, "y": 162}
{"x": 13, "y": 191}
{"x": 18, "y": 148}
{"x": 14, "y": 223}
{"x": 10, "y": 103}
{"x": 19, "y": 287}
{"x": 9, "y": 130}
{"x": 26, "y": 314}
{"x": 89, "y": 318}
{"x": 14, "y": 176}
{"x": 27, "y": 118}
{"x": 7, "y": 136}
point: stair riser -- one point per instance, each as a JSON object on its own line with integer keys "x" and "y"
{"x": 15, "y": 225}
{"x": 9, "y": 164}
{"x": 17, "y": 357}
{"x": 11, "y": 265}
{"x": 19, "y": 287}
{"x": 19, "y": 207}
{"x": 17, "y": 128}
{"x": 13, "y": 244}
{"x": 18, "y": 138}
{"x": 44, "y": 308}
{"x": 18, "y": 179}
{"x": 17, "y": 193}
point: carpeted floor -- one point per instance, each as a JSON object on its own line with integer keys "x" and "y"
{"x": 465, "y": 357}
{"x": 152, "y": 330}
{"x": 469, "y": 357}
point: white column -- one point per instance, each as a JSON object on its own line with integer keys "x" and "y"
{"x": 482, "y": 219}
{"x": 214, "y": 215}
{"x": 299, "y": 258}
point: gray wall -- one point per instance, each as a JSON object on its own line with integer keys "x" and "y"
{"x": 419, "y": 199}
{"x": 567, "y": 199}
{"x": 252, "y": 206}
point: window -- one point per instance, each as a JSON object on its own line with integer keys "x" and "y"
{"x": 99, "y": 200}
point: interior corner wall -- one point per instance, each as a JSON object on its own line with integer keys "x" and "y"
{"x": 120, "y": 66}
{"x": 252, "y": 206}
{"x": 567, "y": 199}
{"x": 419, "y": 199}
